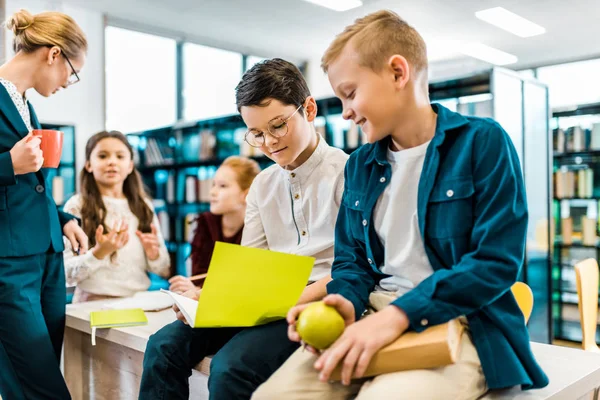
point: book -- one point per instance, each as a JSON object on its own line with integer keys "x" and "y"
{"x": 434, "y": 347}
{"x": 116, "y": 319}
{"x": 186, "y": 305}
{"x": 246, "y": 286}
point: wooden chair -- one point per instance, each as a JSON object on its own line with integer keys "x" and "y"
{"x": 524, "y": 297}
{"x": 586, "y": 274}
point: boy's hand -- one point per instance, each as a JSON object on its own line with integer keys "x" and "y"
{"x": 340, "y": 303}
{"x": 360, "y": 341}
{"x": 193, "y": 294}
{"x": 150, "y": 243}
{"x": 180, "y": 284}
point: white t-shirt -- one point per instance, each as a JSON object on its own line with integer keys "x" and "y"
{"x": 295, "y": 211}
{"x": 396, "y": 223}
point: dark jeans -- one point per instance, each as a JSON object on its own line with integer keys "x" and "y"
{"x": 32, "y": 325}
{"x": 172, "y": 353}
{"x": 248, "y": 360}
{"x": 245, "y": 358}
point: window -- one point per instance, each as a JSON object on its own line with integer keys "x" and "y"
{"x": 140, "y": 80}
{"x": 209, "y": 77}
{"x": 573, "y": 83}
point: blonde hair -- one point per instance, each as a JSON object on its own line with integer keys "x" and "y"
{"x": 245, "y": 170}
{"x": 45, "y": 30}
{"x": 375, "y": 38}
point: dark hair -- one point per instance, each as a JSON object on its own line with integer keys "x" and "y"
{"x": 93, "y": 210}
{"x": 272, "y": 79}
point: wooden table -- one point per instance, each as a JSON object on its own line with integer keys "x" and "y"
{"x": 112, "y": 369}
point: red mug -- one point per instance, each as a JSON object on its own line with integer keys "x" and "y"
{"x": 51, "y": 146}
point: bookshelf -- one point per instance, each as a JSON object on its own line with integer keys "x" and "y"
{"x": 576, "y": 202}
{"x": 64, "y": 178}
{"x": 177, "y": 164}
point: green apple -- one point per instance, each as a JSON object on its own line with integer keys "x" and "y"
{"x": 319, "y": 325}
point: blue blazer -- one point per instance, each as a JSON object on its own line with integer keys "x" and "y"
{"x": 472, "y": 213}
{"x": 30, "y": 222}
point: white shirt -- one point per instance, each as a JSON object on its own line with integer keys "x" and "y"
{"x": 19, "y": 101}
{"x": 295, "y": 211}
{"x": 396, "y": 223}
{"x": 126, "y": 274}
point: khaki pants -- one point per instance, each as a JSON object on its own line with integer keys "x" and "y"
{"x": 297, "y": 379}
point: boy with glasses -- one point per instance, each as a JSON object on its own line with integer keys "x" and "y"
{"x": 291, "y": 207}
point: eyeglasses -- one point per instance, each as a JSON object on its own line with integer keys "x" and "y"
{"x": 277, "y": 127}
{"x": 73, "y": 78}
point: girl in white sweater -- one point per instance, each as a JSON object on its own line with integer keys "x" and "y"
{"x": 118, "y": 217}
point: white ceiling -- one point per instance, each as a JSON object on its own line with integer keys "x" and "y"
{"x": 300, "y": 30}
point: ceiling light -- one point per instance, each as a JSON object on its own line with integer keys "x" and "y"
{"x": 510, "y": 22}
{"x": 337, "y": 5}
{"x": 488, "y": 54}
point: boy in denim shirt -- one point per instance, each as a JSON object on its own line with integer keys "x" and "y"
{"x": 432, "y": 227}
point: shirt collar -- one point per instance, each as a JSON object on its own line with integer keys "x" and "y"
{"x": 11, "y": 88}
{"x": 304, "y": 171}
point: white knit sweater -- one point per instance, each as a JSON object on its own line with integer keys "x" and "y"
{"x": 126, "y": 274}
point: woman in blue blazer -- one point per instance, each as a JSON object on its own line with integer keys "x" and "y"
{"x": 49, "y": 50}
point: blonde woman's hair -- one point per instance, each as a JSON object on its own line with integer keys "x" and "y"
{"x": 46, "y": 29}
{"x": 375, "y": 38}
{"x": 245, "y": 170}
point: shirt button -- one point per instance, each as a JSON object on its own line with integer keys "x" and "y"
{"x": 296, "y": 196}
{"x": 303, "y": 233}
{"x": 293, "y": 175}
{"x": 382, "y": 179}
{"x": 450, "y": 193}
{"x": 370, "y": 261}
{"x": 364, "y": 222}
{"x": 357, "y": 203}
{"x": 39, "y": 189}
{"x": 424, "y": 322}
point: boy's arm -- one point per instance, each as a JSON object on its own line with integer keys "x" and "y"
{"x": 352, "y": 276}
{"x": 497, "y": 240}
{"x": 253, "y": 234}
{"x": 315, "y": 291}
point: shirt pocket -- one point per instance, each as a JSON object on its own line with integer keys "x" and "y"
{"x": 450, "y": 208}
{"x": 354, "y": 202}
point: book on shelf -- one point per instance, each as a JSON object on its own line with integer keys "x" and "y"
{"x": 595, "y": 137}
{"x": 569, "y": 183}
{"x": 158, "y": 153}
{"x": 163, "y": 220}
{"x": 197, "y": 190}
{"x": 208, "y": 142}
{"x": 171, "y": 183}
{"x": 190, "y": 227}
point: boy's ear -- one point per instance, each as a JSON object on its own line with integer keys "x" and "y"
{"x": 399, "y": 67}
{"x": 310, "y": 108}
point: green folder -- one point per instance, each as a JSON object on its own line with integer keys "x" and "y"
{"x": 246, "y": 286}
{"x": 118, "y": 318}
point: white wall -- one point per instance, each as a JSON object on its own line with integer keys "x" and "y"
{"x": 317, "y": 80}
{"x": 82, "y": 104}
